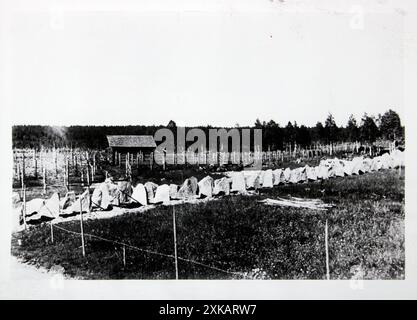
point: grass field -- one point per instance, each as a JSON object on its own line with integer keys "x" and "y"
{"x": 236, "y": 233}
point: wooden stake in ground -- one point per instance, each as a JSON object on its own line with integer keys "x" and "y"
{"x": 18, "y": 176}
{"x": 65, "y": 177}
{"x": 52, "y": 233}
{"x": 24, "y": 207}
{"x": 92, "y": 173}
{"x": 23, "y": 167}
{"x": 175, "y": 243}
{"x": 124, "y": 256}
{"x": 22, "y": 173}
{"x": 326, "y": 235}
{"x": 88, "y": 175}
{"x": 56, "y": 162}
{"x": 76, "y": 164}
{"x": 67, "y": 173}
{"x": 44, "y": 180}
{"x": 94, "y": 165}
{"x": 35, "y": 163}
{"x": 82, "y": 228}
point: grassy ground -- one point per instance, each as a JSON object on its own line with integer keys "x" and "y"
{"x": 366, "y": 236}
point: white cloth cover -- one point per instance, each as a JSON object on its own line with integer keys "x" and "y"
{"x": 150, "y": 190}
{"x": 268, "y": 180}
{"x": 140, "y": 194}
{"x": 222, "y": 186}
{"x": 205, "y": 187}
{"x": 162, "y": 194}
{"x": 238, "y": 182}
{"x": 278, "y": 175}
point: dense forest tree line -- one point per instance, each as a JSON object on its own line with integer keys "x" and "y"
{"x": 274, "y": 136}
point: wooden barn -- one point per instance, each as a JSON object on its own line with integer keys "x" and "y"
{"x": 134, "y": 146}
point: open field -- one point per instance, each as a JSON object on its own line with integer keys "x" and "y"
{"x": 238, "y": 234}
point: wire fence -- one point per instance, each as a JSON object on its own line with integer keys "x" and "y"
{"x": 126, "y": 245}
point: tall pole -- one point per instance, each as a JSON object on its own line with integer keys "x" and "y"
{"x": 23, "y": 167}
{"x": 327, "y": 251}
{"x": 67, "y": 173}
{"x": 124, "y": 256}
{"x": 52, "y": 233}
{"x": 44, "y": 180}
{"x": 35, "y": 162}
{"x": 175, "y": 243}
{"x": 82, "y": 228}
{"x": 88, "y": 175}
{"x": 24, "y": 207}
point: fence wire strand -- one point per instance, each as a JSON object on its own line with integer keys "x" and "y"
{"x": 148, "y": 251}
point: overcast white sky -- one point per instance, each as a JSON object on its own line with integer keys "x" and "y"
{"x": 210, "y": 64}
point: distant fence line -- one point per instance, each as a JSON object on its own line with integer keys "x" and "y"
{"x": 57, "y": 162}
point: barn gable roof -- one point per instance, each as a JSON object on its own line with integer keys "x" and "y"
{"x": 131, "y": 141}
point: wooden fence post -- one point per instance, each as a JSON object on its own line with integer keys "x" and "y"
{"x": 82, "y": 227}
{"x": 24, "y": 207}
{"x": 88, "y": 175}
{"x": 68, "y": 175}
{"x": 56, "y": 162}
{"x": 326, "y": 232}
{"x": 137, "y": 160}
{"x": 23, "y": 167}
{"x": 22, "y": 175}
{"x": 44, "y": 180}
{"x": 175, "y": 243}
{"x": 94, "y": 165}
{"x": 35, "y": 163}
{"x": 52, "y": 233}
{"x": 65, "y": 177}
{"x": 124, "y": 255}
{"x": 18, "y": 175}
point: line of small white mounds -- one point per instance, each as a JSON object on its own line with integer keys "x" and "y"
{"x": 387, "y": 161}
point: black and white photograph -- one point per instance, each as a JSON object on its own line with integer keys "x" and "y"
{"x": 261, "y": 143}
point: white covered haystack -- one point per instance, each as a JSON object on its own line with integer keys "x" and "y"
{"x": 387, "y": 161}
{"x": 347, "y": 167}
{"x": 287, "y": 175}
{"x": 322, "y": 172}
{"x": 336, "y": 168}
{"x": 162, "y": 194}
{"x": 357, "y": 166}
{"x": 52, "y": 206}
{"x": 34, "y": 206}
{"x": 238, "y": 182}
{"x": 298, "y": 175}
{"x": 222, "y": 186}
{"x": 188, "y": 189}
{"x": 278, "y": 175}
{"x": 125, "y": 191}
{"x": 367, "y": 165}
{"x": 67, "y": 200}
{"x": 398, "y": 158}
{"x": 205, "y": 187}
{"x": 311, "y": 173}
{"x": 82, "y": 203}
{"x": 150, "y": 188}
{"x": 104, "y": 195}
{"x": 140, "y": 195}
{"x": 252, "y": 179}
{"x": 37, "y": 209}
{"x": 173, "y": 191}
{"x": 376, "y": 164}
{"x": 268, "y": 179}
